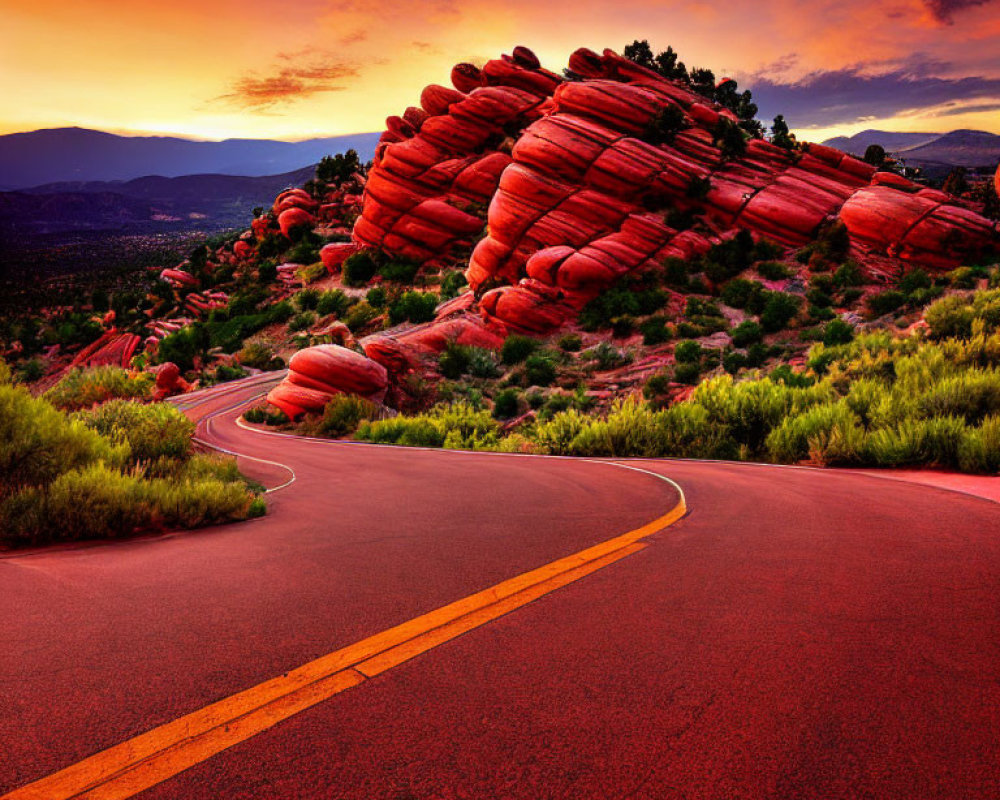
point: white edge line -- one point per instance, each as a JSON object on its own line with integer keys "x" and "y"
{"x": 207, "y": 420}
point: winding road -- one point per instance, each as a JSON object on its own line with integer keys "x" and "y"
{"x": 428, "y": 624}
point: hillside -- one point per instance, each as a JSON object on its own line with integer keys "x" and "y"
{"x": 962, "y": 148}
{"x": 214, "y": 201}
{"x": 623, "y": 231}
{"x": 892, "y": 141}
{"x": 77, "y": 154}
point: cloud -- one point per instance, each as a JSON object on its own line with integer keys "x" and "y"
{"x": 289, "y": 84}
{"x": 835, "y": 97}
{"x": 973, "y": 108}
{"x": 944, "y": 10}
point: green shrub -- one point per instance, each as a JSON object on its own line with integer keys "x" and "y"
{"x": 82, "y": 388}
{"x": 688, "y": 373}
{"x": 913, "y": 442}
{"x": 306, "y": 299}
{"x": 517, "y": 348}
{"x": 675, "y": 272}
{"x": 607, "y": 356}
{"x": 836, "y": 332}
{"x": 400, "y": 271}
{"x": 301, "y": 321}
{"x": 451, "y": 283}
{"x": 506, "y": 404}
{"x": 71, "y": 471}
{"x": 848, "y": 274}
{"x": 455, "y": 427}
{"x": 621, "y": 300}
{"x": 334, "y": 301}
{"x": 256, "y": 355}
{"x": 827, "y": 434}
{"x": 971, "y": 395}
{"x": 31, "y": 370}
{"x": 344, "y": 412}
{"x": 38, "y": 443}
{"x": 570, "y": 342}
{"x": 741, "y": 293}
{"x": 413, "y": 307}
{"x": 153, "y": 431}
{"x": 733, "y": 361}
{"x": 963, "y": 278}
{"x": 539, "y": 369}
{"x": 359, "y": 316}
{"x": 687, "y": 351}
{"x": 885, "y": 302}
{"x": 779, "y": 310}
{"x": 655, "y": 331}
{"x": 955, "y": 315}
{"x": 556, "y": 435}
{"x": 376, "y": 297}
{"x": 358, "y": 269}
{"x": 979, "y": 450}
{"x": 914, "y": 280}
{"x": 819, "y": 298}
{"x": 773, "y": 270}
{"x": 746, "y": 333}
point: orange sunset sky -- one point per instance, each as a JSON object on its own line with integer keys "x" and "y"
{"x": 246, "y": 68}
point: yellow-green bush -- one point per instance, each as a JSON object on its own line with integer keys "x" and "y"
{"x": 154, "y": 432}
{"x": 118, "y": 469}
{"x": 83, "y": 388}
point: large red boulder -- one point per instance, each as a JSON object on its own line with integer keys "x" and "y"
{"x": 178, "y": 277}
{"x": 318, "y": 373}
{"x": 295, "y": 218}
{"x": 335, "y": 254}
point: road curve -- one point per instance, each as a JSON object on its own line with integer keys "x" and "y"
{"x": 799, "y": 634}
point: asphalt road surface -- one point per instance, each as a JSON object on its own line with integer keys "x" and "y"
{"x": 798, "y": 634}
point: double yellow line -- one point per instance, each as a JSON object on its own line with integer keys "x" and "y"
{"x": 148, "y": 759}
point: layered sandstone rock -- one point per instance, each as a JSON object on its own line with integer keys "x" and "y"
{"x": 114, "y": 348}
{"x": 577, "y": 198}
{"x": 439, "y": 164}
{"x": 318, "y": 373}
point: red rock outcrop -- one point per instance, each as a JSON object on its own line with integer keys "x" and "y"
{"x": 113, "y": 348}
{"x": 577, "y": 197}
{"x": 333, "y": 255}
{"x": 437, "y": 163}
{"x": 169, "y": 381}
{"x": 318, "y": 373}
{"x": 178, "y": 278}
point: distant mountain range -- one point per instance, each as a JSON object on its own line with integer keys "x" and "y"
{"x": 961, "y": 148}
{"x": 82, "y": 155}
{"x": 209, "y": 201}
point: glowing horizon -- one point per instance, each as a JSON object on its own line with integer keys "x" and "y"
{"x": 227, "y": 69}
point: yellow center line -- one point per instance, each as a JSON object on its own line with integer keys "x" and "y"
{"x": 134, "y": 765}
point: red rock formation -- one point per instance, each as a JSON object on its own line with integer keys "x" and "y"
{"x": 178, "y": 278}
{"x": 169, "y": 381}
{"x": 436, "y": 163}
{"x": 113, "y": 348}
{"x": 335, "y": 254}
{"x": 924, "y": 227}
{"x": 575, "y": 195}
{"x": 318, "y": 373}
{"x": 295, "y": 217}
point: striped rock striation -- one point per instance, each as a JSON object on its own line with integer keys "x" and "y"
{"x": 576, "y": 175}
